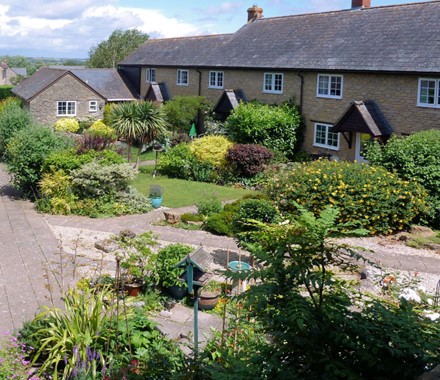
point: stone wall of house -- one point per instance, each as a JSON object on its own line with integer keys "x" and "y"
{"x": 68, "y": 88}
{"x": 395, "y": 95}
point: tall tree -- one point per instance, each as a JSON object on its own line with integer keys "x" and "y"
{"x": 138, "y": 122}
{"x": 120, "y": 43}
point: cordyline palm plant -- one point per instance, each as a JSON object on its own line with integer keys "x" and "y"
{"x": 138, "y": 122}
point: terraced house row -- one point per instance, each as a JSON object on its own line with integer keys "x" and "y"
{"x": 356, "y": 74}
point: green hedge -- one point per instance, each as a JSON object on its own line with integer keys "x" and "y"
{"x": 370, "y": 196}
{"x": 5, "y": 92}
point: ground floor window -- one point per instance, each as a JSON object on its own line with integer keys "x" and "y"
{"x": 325, "y": 137}
{"x": 66, "y": 108}
{"x": 93, "y": 106}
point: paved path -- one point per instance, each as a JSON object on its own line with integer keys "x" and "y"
{"x": 29, "y": 252}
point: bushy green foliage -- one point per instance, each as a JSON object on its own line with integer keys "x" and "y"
{"x": 248, "y": 160}
{"x": 182, "y": 111}
{"x": 275, "y": 127}
{"x": 12, "y": 119}
{"x": 67, "y": 124}
{"x": 94, "y": 180}
{"x": 220, "y": 223}
{"x": 56, "y": 192}
{"x": 176, "y": 162}
{"x": 377, "y": 199}
{"x": 209, "y": 204}
{"x": 5, "y": 91}
{"x": 211, "y": 149}
{"x": 26, "y": 152}
{"x": 100, "y": 129}
{"x": 414, "y": 157}
{"x": 254, "y": 209}
{"x": 69, "y": 159}
{"x": 165, "y": 263}
{"x": 320, "y": 326}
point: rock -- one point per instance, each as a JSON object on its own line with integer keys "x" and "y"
{"x": 422, "y": 231}
{"x": 107, "y": 245}
{"x": 166, "y": 314}
{"x": 194, "y": 223}
{"x": 433, "y": 375}
{"x": 171, "y": 218}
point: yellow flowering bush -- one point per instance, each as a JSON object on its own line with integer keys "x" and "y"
{"x": 377, "y": 199}
{"x": 67, "y": 124}
{"x": 211, "y": 149}
{"x": 99, "y": 129}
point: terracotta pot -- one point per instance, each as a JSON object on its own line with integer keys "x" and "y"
{"x": 208, "y": 300}
{"x": 133, "y": 289}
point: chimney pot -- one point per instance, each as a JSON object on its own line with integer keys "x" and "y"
{"x": 360, "y": 4}
{"x": 254, "y": 13}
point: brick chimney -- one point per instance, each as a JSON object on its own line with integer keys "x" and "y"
{"x": 360, "y": 4}
{"x": 254, "y": 13}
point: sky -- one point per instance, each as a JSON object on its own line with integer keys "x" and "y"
{"x": 70, "y": 28}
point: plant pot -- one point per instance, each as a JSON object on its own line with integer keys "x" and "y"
{"x": 133, "y": 289}
{"x": 177, "y": 292}
{"x": 156, "y": 202}
{"x": 208, "y": 300}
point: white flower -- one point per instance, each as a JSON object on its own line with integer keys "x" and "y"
{"x": 410, "y": 295}
{"x": 432, "y": 316}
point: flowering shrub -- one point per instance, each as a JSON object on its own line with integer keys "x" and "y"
{"x": 100, "y": 129}
{"x": 67, "y": 124}
{"x": 13, "y": 362}
{"x": 212, "y": 149}
{"x": 377, "y": 199}
{"x": 248, "y": 160}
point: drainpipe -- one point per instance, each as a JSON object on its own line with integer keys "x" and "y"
{"x": 200, "y": 82}
{"x": 199, "y": 116}
{"x": 301, "y": 94}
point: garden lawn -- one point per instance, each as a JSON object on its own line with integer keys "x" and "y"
{"x": 181, "y": 193}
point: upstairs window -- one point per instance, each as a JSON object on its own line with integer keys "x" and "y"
{"x": 93, "y": 106}
{"x": 216, "y": 79}
{"x": 273, "y": 83}
{"x": 329, "y": 86}
{"x": 182, "y": 77}
{"x": 429, "y": 93}
{"x": 325, "y": 137}
{"x": 150, "y": 75}
{"x": 66, "y": 108}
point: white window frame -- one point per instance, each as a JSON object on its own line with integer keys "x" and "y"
{"x": 326, "y": 137}
{"x": 93, "y": 106}
{"x": 150, "y": 75}
{"x": 328, "y": 89}
{"x": 68, "y": 102}
{"x": 270, "y": 83}
{"x": 182, "y": 77}
{"x": 436, "y": 102}
{"x": 216, "y": 79}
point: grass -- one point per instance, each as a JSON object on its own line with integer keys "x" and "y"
{"x": 181, "y": 193}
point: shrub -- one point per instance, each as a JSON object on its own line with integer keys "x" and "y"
{"x": 177, "y": 162}
{"x": 26, "y": 152}
{"x": 12, "y": 119}
{"x": 55, "y": 188}
{"x": 67, "y": 124}
{"x": 275, "y": 127}
{"x": 255, "y": 209}
{"x": 248, "y": 160}
{"x": 414, "y": 157}
{"x": 208, "y": 205}
{"x": 182, "y": 111}
{"x": 220, "y": 223}
{"x": 371, "y": 196}
{"x": 99, "y": 129}
{"x": 211, "y": 149}
{"x": 69, "y": 160}
{"x": 94, "y": 180}
{"x": 5, "y": 92}
{"x": 190, "y": 217}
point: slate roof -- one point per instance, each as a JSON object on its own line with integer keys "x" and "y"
{"x": 399, "y": 38}
{"x": 107, "y": 83}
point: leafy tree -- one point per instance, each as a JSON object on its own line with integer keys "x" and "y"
{"x": 275, "y": 127}
{"x": 113, "y": 50}
{"x": 182, "y": 111}
{"x": 318, "y": 325}
{"x": 138, "y": 122}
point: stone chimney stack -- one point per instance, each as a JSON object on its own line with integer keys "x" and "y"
{"x": 254, "y": 13}
{"x": 360, "y": 4}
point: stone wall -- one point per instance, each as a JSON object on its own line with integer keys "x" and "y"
{"x": 395, "y": 94}
{"x": 68, "y": 88}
